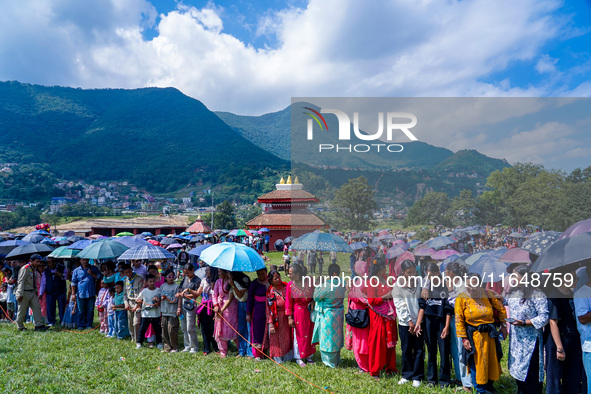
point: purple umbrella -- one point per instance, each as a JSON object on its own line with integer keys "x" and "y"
{"x": 443, "y": 254}
{"x": 424, "y": 252}
{"x": 578, "y": 228}
{"x": 395, "y": 252}
{"x": 515, "y": 256}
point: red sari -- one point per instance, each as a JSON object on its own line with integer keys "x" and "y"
{"x": 297, "y": 301}
{"x": 383, "y": 333}
{"x": 281, "y": 342}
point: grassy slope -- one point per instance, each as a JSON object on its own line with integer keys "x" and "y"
{"x": 57, "y": 361}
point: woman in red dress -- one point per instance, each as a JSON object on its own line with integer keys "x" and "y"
{"x": 280, "y": 335}
{"x": 297, "y": 308}
{"x": 383, "y": 334}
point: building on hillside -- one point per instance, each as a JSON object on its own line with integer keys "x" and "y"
{"x": 285, "y": 212}
{"x": 199, "y": 227}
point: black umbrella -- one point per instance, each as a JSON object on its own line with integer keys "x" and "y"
{"x": 566, "y": 251}
{"x": 167, "y": 241}
{"x": 459, "y": 234}
{"x": 288, "y": 239}
{"x": 23, "y": 252}
{"x": 539, "y": 242}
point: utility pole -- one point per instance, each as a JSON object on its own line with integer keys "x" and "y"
{"x": 212, "y": 209}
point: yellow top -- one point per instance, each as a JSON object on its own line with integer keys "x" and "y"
{"x": 289, "y": 180}
{"x": 297, "y": 181}
{"x": 282, "y": 181}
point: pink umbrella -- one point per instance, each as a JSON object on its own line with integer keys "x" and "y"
{"x": 516, "y": 256}
{"x": 383, "y": 232}
{"x": 443, "y": 254}
{"x": 397, "y": 241}
{"x": 400, "y": 259}
{"x": 424, "y": 251}
{"x": 578, "y": 228}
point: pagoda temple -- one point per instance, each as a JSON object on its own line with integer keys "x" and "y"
{"x": 285, "y": 211}
{"x": 199, "y": 227}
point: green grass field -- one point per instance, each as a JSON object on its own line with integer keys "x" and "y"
{"x": 58, "y": 361}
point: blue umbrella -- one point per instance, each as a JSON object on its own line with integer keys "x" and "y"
{"x": 107, "y": 249}
{"x": 33, "y": 238}
{"x": 131, "y": 242}
{"x": 539, "y": 242}
{"x": 83, "y": 243}
{"x": 197, "y": 251}
{"x": 358, "y": 245}
{"x": 321, "y": 241}
{"x": 147, "y": 234}
{"x": 264, "y": 229}
{"x": 48, "y": 241}
{"x": 231, "y": 256}
{"x": 414, "y": 243}
{"x": 451, "y": 259}
{"x": 146, "y": 252}
{"x": 440, "y": 242}
{"x": 7, "y": 246}
{"x": 395, "y": 251}
{"x": 489, "y": 269}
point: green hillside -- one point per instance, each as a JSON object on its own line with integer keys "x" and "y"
{"x": 158, "y": 139}
{"x": 470, "y": 161}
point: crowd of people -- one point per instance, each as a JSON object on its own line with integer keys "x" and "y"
{"x": 456, "y": 328}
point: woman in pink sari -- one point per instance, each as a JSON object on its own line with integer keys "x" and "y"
{"x": 360, "y": 336}
{"x": 297, "y": 301}
{"x": 225, "y": 307}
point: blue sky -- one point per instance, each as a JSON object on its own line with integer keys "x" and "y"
{"x": 252, "y": 57}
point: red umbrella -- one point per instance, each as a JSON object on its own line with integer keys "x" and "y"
{"x": 515, "y": 256}
{"x": 154, "y": 242}
{"x": 383, "y": 232}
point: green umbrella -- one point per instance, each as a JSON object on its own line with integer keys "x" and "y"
{"x": 125, "y": 234}
{"x": 103, "y": 250}
{"x": 64, "y": 253}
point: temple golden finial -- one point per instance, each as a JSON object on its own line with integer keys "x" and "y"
{"x": 282, "y": 181}
{"x": 297, "y": 181}
{"x": 198, "y": 217}
{"x": 289, "y": 180}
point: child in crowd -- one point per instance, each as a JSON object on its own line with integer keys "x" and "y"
{"x": 10, "y": 297}
{"x": 110, "y": 313}
{"x": 3, "y": 301}
{"x": 149, "y": 300}
{"x": 171, "y": 310}
{"x": 121, "y": 326}
{"x": 71, "y": 313}
{"x": 101, "y": 303}
{"x": 159, "y": 279}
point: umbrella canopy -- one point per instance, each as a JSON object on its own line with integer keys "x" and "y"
{"x": 231, "y": 256}
{"x": 7, "y": 246}
{"x": 386, "y": 237}
{"x": 107, "y": 249}
{"x": 34, "y": 238}
{"x": 83, "y": 243}
{"x": 131, "y": 242}
{"x": 451, "y": 259}
{"x": 147, "y": 234}
{"x": 288, "y": 239}
{"x": 146, "y": 252}
{"x": 564, "y": 252}
{"x": 240, "y": 233}
{"x": 440, "y": 242}
{"x": 395, "y": 252}
{"x": 167, "y": 241}
{"x": 424, "y": 252}
{"x": 515, "y": 256}
{"x": 174, "y": 246}
{"x": 414, "y": 243}
{"x": 264, "y": 229}
{"x": 48, "y": 241}
{"x": 539, "y": 242}
{"x": 361, "y": 235}
{"x": 154, "y": 242}
{"x": 578, "y": 228}
{"x": 197, "y": 251}
{"x": 460, "y": 234}
{"x": 358, "y": 245}
{"x": 64, "y": 253}
{"x": 124, "y": 234}
{"x": 321, "y": 241}
{"x": 24, "y": 251}
{"x": 489, "y": 269}
{"x": 383, "y": 232}
{"x": 515, "y": 234}
{"x": 443, "y": 254}
{"x": 400, "y": 259}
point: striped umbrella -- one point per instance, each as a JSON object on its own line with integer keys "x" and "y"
{"x": 146, "y": 252}
{"x": 131, "y": 242}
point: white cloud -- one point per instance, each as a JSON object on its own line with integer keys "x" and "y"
{"x": 546, "y": 65}
{"x": 330, "y": 48}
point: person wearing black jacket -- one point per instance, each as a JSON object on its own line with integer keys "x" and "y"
{"x": 437, "y": 312}
{"x": 55, "y": 288}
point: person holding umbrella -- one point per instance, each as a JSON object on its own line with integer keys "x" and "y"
{"x": 26, "y": 294}
{"x": 583, "y": 314}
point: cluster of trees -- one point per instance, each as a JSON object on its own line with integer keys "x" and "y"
{"x": 20, "y": 217}
{"x": 354, "y": 204}
{"x": 517, "y": 196}
{"x": 29, "y": 182}
{"x": 84, "y": 210}
{"x": 228, "y": 217}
